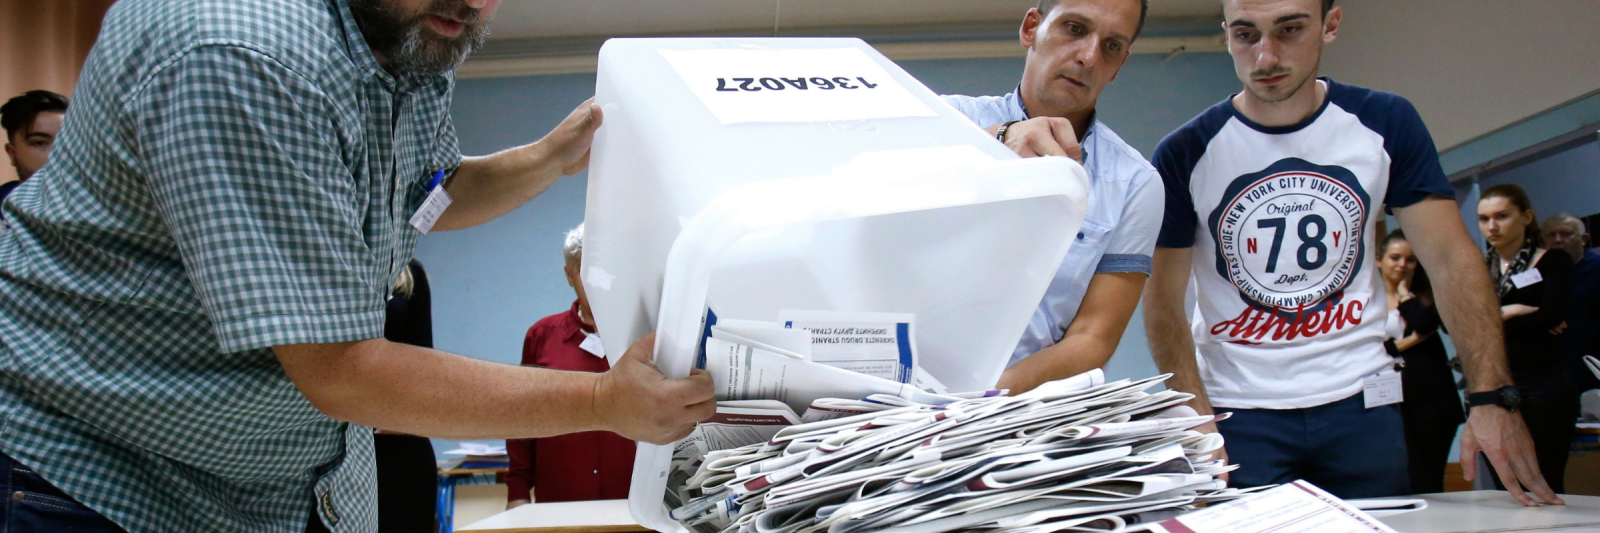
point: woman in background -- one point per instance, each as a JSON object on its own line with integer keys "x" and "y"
{"x": 408, "y": 476}
{"x": 1432, "y": 408}
{"x": 1534, "y": 284}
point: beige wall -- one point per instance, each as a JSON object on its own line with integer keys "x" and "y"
{"x": 1470, "y": 66}
{"x": 42, "y": 46}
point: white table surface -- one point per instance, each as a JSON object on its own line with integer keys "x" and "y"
{"x": 1451, "y": 512}
{"x": 591, "y": 515}
{"x": 1492, "y": 511}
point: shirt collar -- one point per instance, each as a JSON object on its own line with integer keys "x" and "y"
{"x": 575, "y": 323}
{"x": 1016, "y": 100}
{"x": 355, "y": 43}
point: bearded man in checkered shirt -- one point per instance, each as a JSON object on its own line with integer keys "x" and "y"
{"x": 192, "y": 290}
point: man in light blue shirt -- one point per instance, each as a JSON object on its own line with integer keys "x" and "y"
{"x": 1075, "y": 48}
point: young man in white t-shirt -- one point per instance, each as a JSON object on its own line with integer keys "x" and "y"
{"x": 1272, "y": 200}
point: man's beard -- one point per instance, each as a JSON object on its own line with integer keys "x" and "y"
{"x": 412, "y": 49}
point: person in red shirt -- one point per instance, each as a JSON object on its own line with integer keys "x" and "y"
{"x": 594, "y": 465}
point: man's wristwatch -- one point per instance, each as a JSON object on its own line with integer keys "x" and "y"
{"x": 1506, "y": 397}
{"x": 1001, "y": 133}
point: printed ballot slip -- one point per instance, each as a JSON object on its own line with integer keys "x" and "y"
{"x": 742, "y": 372}
{"x": 1298, "y": 507}
{"x": 881, "y": 345}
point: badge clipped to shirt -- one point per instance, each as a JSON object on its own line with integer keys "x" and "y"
{"x": 433, "y": 206}
{"x": 1526, "y": 278}
{"x": 591, "y": 343}
{"x": 1382, "y": 389}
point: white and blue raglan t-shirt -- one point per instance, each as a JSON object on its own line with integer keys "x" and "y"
{"x": 1281, "y": 219}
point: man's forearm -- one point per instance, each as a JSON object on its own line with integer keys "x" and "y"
{"x": 484, "y": 188}
{"x": 1074, "y": 355}
{"x": 1470, "y": 310}
{"x": 427, "y": 392}
{"x": 1090, "y": 339}
{"x": 1166, "y": 328}
{"x": 1173, "y": 350}
{"x": 1465, "y": 299}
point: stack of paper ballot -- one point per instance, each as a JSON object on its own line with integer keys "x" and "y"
{"x": 1076, "y": 454}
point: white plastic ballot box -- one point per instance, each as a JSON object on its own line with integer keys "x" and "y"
{"x": 774, "y": 174}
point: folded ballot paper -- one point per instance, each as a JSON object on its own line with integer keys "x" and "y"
{"x": 881, "y": 345}
{"x": 1076, "y": 454}
{"x": 876, "y": 344}
{"x": 810, "y": 358}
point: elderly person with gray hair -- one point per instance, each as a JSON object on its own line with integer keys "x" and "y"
{"x": 1582, "y": 335}
{"x": 594, "y": 465}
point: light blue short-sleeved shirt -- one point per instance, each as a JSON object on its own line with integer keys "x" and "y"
{"x": 1126, "y": 202}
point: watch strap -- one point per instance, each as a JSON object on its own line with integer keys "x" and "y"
{"x": 1000, "y": 134}
{"x": 1506, "y": 397}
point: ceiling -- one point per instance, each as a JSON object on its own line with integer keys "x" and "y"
{"x": 545, "y": 19}
{"x": 532, "y": 37}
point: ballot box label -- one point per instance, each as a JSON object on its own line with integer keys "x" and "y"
{"x": 790, "y": 85}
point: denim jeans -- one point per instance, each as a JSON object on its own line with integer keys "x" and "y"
{"x": 33, "y": 504}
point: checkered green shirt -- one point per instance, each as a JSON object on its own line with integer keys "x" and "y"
{"x": 232, "y": 176}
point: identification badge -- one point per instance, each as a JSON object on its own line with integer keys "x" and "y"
{"x": 591, "y": 343}
{"x": 1382, "y": 389}
{"x": 431, "y": 209}
{"x": 1526, "y": 278}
